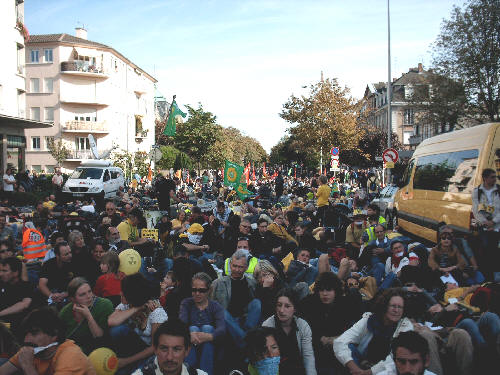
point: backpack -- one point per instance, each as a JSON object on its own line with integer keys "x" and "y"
{"x": 373, "y": 185}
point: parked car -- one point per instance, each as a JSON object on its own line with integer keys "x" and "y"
{"x": 385, "y": 201}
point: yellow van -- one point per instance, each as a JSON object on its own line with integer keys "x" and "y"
{"x": 441, "y": 175}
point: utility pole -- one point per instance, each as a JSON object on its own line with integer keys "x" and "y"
{"x": 389, "y": 81}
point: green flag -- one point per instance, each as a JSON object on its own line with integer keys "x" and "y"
{"x": 232, "y": 174}
{"x": 174, "y": 112}
{"x": 242, "y": 191}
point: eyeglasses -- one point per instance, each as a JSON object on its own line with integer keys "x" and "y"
{"x": 352, "y": 285}
{"x": 396, "y": 307}
{"x": 446, "y": 236}
{"x": 245, "y": 226}
{"x": 199, "y": 290}
{"x": 379, "y": 231}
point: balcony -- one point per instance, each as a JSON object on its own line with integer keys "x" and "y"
{"x": 82, "y": 69}
{"x": 83, "y": 99}
{"x": 96, "y": 127}
{"x": 77, "y": 155}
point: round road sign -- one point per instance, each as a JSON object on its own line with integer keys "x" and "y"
{"x": 334, "y": 151}
{"x": 390, "y": 155}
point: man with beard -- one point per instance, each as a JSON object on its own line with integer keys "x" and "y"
{"x": 171, "y": 343}
{"x": 115, "y": 243}
{"x": 411, "y": 355}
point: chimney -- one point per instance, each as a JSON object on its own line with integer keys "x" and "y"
{"x": 80, "y": 32}
{"x": 420, "y": 68}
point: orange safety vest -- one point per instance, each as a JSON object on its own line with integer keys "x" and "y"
{"x": 33, "y": 244}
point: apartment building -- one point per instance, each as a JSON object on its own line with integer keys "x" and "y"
{"x": 85, "y": 87}
{"x": 403, "y": 110}
{"x": 13, "y": 120}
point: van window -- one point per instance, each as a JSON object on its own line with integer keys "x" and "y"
{"x": 407, "y": 174}
{"x": 106, "y": 176}
{"x": 450, "y": 172}
{"x": 115, "y": 174}
{"x": 84, "y": 173}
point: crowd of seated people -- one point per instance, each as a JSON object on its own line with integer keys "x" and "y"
{"x": 243, "y": 289}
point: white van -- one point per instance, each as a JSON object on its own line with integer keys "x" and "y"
{"x": 94, "y": 178}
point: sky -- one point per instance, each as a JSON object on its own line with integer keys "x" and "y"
{"x": 243, "y": 59}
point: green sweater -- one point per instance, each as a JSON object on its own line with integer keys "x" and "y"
{"x": 81, "y": 334}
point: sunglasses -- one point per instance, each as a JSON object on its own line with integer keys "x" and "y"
{"x": 446, "y": 236}
{"x": 352, "y": 285}
{"x": 199, "y": 290}
{"x": 3, "y": 251}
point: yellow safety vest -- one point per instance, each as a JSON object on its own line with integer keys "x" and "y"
{"x": 252, "y": 262}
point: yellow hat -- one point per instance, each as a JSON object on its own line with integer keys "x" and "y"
{"x": 195, "y": 228}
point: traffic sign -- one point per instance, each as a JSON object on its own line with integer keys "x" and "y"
{"x": 334, "y": 151}
{"x": 335, "y": 163}
{"x": 390, "y": 155}
{"x": 378, "y": 158}
{"x": 389, "y": 165}
{"x": 335, "y": 157}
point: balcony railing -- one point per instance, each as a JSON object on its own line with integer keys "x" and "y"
{"x": 78, "y": 66}
{"x": 80, "y": 155}
{"x": 86, "y": 126}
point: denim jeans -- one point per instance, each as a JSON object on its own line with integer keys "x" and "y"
{"x": 126, "y": 342}
{"x": 202, "y": 356}
{"x": 377, "y": 271}
{"x": 307, "y": 275}
{"x": 388, "y": 281}
{"x": 484, "y": 332}
{"x": 238, "y": 327}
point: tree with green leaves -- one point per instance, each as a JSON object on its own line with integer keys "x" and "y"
{"x": 198, "y": 134}
{"x": 326, "y": 117}
{"x": 58, "y": 150}
{"x": 468, "y": 51}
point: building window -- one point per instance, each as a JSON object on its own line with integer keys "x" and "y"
{"x": 35, "y": 113}
{"x": 48, "y": 141}
{"x": 409, "y": 116}
{"x": 35, "y": 85}
{"x": 34, "y": 58}
{"x": 50, "y": 168}
{"x": 36, "y": 168}
{"x": 49, "y": 114}
{"x": 49, "y": 85}
{"x": 82, "y": 143}
{"x": 48, "y": 55}
{"x": 35, "y": 143}
{"x": 406, "y": 137}
{"x": 408, "y": 92}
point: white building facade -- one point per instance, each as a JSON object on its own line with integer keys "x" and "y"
{"x": 85, "y": 88}
{"x": 13, "y": 120}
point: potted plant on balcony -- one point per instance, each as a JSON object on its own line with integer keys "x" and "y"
{"x": 23, "y": 29}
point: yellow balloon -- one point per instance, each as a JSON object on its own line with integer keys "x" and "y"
{"x": 130, "y": 261}
{"x": 104, "y": 360}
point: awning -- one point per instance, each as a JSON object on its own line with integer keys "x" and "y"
{"x": 23, "y": 122}
{"x": 87, "y": 52}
